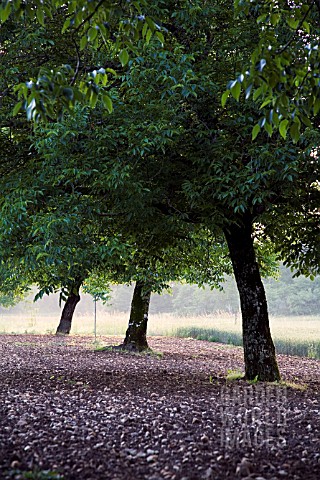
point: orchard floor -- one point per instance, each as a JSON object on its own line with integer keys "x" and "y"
{"x": 67, "y": 411}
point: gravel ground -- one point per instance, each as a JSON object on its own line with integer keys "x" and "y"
{"x": 67, "y": 411}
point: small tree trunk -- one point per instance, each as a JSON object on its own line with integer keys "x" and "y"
{"x": 259, "y": 352}
{"x": 64, "y": 326}
{"x": 136, "y": 334}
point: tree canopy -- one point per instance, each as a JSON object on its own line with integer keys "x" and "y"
{"x": 282, "y": 74}
{"x": 138, "y": 187}
{"x": 67, "y": 76}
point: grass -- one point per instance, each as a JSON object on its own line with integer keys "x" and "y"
{"x": 107, "y": 323}
{"x": 234, "y": 375}
{"x": 292, "y": 335}
{"x": 295, "y": 386}
{"x": 287, "y": 346}
{"x": 145, "y": 353}
{"x": 36, "y": 475}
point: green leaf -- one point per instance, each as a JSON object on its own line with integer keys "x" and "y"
{"x": 66, "y": 25}
{"x": 151, "y": 24}
{"x": 236, "y": 90}
{"x": 107, "y": 103}
{"x": 160, "y": 37}
{"x": 83, "y": 42}
{"x": 266, "y": 102}
{"x": 262, "y": 18}
{"x": 256, "y": 129}
{"x": 148, "y": 36}
{"x": 306, "y": 120}
{"x": 224, "y": 97}
{"x": 257, "y": 93}
{"x": 144, "y": 30}
{"x": 93, "y": 99}
{"x": 5, "y": 12}
{"x": 40, "y": 16}
{"x": 16, "y": 4}
{"x": 316, "y": 106}
{"x": 275, "y": 18}
{"x": 283, "y": 128}
{"x": 110, "y": 70}
{"x": 124, "y": 57}
{"x": 292, "y": 23}
{"x": 295, "y": 132}
{"x": 17, "y": 108}
{"x": 92, "y": 33}
{"x": 268, "y": 128}
{"x": 104, "y": 79}
{"x": 306, "y": 26}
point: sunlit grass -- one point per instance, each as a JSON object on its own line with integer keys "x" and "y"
{"x": 292, "y": 335}
{"x": 115, "y": 323}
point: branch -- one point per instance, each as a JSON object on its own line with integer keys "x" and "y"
{"x": 78, "y": 63}
{"x": 89, "y": 16}
{"x": 110, "y": 214}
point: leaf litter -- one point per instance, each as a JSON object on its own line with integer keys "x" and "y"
{"x": 70, "y": 412}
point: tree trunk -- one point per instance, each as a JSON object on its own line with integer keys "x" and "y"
{"x": 259, "y": 352}
{"x": 136, "y": 334}
{"x": 64, "y": 326}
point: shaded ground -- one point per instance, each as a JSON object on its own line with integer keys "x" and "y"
{"x": 105, "y": 415}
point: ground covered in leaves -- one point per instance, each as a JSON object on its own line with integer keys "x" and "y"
{"x": 68, "y": 411}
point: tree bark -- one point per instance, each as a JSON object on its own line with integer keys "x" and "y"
{"x": 259, "y": 351}
{"x": 64, "y": 326}
{"x": 136, "y": 334}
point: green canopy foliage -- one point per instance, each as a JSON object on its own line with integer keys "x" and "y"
{"x": 99, "y": 174}
{"x": 59, "y": 81}
{"x": 146, "y": 191}
{"x": 282, "y": 74}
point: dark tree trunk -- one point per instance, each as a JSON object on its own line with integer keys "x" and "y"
{"x": 64, "y": 326}
{"x": 136, "y": 334}
{"x": 259, "y": 352}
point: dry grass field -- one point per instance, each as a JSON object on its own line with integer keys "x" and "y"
{"x": 302, "y": 328}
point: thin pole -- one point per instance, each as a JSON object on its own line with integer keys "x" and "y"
{"x": 95, "y": 318}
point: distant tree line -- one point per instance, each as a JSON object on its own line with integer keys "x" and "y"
{"x": 286, "y": 296}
